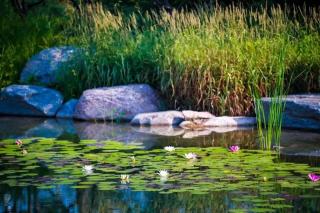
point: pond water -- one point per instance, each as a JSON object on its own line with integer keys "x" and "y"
{"x": 47, "y": 173}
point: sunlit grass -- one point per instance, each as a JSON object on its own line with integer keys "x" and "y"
{"x": 203, "y": 59}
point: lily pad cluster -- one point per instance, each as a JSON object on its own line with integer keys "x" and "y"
{"x": 257, "y": 176}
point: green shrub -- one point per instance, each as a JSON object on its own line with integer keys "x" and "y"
{"x": 21, "y": 38}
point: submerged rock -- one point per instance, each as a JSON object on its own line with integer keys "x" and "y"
{"x": 43, "y": 68}
{"x": 29, "y": 101}
{"x": 67, "y": 110}
{"x": 230, "y": 121}
{"x": 117, "y": 103}
{"x": 301, "y": 111}
{"x": 165, "y": 118}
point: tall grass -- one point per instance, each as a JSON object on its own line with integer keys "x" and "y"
{"x": 207, "y": 59}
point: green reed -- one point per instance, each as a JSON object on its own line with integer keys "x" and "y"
{"x": 269, "y": 116}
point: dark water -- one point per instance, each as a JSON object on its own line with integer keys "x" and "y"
{"x": 297, "y": 147}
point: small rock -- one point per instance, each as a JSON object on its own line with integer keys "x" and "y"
{"x": 230, "y": 121}
{"x": 194, "y": 115}
{"x": 29, "y": 101}
{"x": 165, "y": 118}
{"x": 43, "y": 68}
{"x": 67, "y": 110}
{"x": 117, "y": 103}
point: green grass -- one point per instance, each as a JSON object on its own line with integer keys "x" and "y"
{"x": 205, "y": 59}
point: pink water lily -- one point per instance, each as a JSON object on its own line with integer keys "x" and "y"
{"x": 234, "y": 148}
{"x": 314, "y": 177}
{"x": 19, "y": 142}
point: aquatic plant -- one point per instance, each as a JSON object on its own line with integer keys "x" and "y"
{"x": 314, "y": 177}
{"x": 125, "y": 179}
{"x": 234, "y": 148}
{"x": 257, "y": 174}
{"x": 19, "y": 143}
{"x": 163, "y": 173}
{"x": 169, "y": 148}
{"x": 269, "y": 117}
{"x": 87, "y": 169}
{"x": 190, "y": 156}
{"x": 24, "y": 151}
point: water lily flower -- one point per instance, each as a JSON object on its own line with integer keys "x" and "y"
{"x": 234, "y": 148}
{"x": 133, "y": 159}
{"x": 24, "y": 152}
{"x": 314, "y": 177}
{"x": 169, "y": 148}
{"x": 124, "y": 179}
{"x": 19, "y": 143}
{"x": 191, "y": 156}
{"x": 163, "y": 173}
{"x": 87, "y": 169}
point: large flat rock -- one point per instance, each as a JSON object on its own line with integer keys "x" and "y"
{"x": 44, "y": 67}
{"x": 29, "y": 100}
{"x": 117, "y": 103}
{"x": 165, "y": 118}
{"x": 301, "y": 111}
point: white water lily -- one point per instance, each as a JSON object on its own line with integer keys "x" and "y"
{"x": 190, "y": 156}
{"x": 169, "y": 148}
{"x": 133, "y": 159}
{"x": 124, "y": 179}
{"x": 163, "y": 173}
{"x": 87, "y": 169}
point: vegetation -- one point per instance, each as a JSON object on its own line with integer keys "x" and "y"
{"x": 256, "y": 177}
{"x": 204, "y": 59}
{"x": 21, "y": 38}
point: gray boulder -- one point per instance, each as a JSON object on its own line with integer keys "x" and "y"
{"x": 301, "y": 111}
{"x": 29, "y": 101}
{"x": 230, "y": 121}
{"x": 43, "y": 68}
{"x": 165, "y": 118}
{"x": 67, "y": 110}
{"x": 117, "y": 103}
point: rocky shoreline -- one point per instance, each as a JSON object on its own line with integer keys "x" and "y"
{"x": 138, "y": 104}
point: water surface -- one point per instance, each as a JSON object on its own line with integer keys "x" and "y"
{"x": 299, "y": 149}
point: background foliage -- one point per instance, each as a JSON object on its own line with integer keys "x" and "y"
{"x": 203, "y": 58}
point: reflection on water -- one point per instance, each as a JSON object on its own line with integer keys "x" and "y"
{"x": 297, "y": 146}
{"x": 293, "y": 142}
{"x": 63, "y": 198}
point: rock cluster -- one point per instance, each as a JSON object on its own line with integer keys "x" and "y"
{"x": 138, "y": 103}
